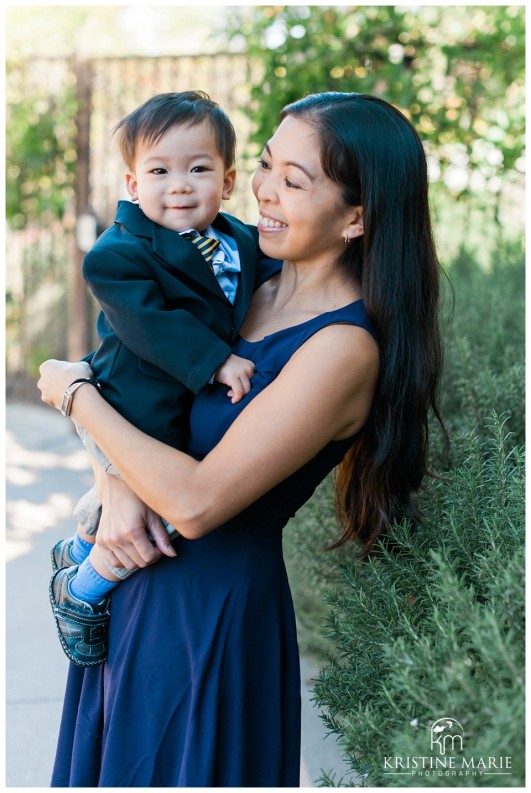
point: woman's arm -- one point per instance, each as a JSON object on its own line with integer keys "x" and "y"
{"x": 323, "y": 393}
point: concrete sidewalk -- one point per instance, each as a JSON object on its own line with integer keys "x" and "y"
{"x": 47, "y": 470}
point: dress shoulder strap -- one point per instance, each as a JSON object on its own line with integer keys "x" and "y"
{"x": 352, "y": 314}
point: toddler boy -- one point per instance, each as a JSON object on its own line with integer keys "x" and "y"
{"x": 174, "y": 278}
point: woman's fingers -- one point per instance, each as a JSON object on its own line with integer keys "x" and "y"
{"x": 132, "y": 548}
{"x": 141, "y": 549}
{"x": 125, "y": 524}
{"x": 160, "y": 536}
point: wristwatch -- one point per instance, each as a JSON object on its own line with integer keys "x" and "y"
{"x": 68, "y": 396}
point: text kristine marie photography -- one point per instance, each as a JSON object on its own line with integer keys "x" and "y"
{"x": 447, "y": 756}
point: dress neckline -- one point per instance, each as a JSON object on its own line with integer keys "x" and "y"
{"x": 301, "y": 324}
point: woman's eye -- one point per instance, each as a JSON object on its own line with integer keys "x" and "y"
{"x": 263, "y": 164}
{"x": 289, "y": 183}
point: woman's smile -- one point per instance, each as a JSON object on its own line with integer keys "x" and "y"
{"x": 267, "y": 223}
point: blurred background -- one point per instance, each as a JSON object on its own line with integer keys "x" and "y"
{"x": 74, "y": 71}
{"x": 437, "y": 629}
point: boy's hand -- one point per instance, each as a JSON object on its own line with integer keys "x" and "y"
{"x": 236, "y": 372}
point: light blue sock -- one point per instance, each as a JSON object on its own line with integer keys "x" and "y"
{"x": 88, "y": 585}
{"x": 80, "y": 549}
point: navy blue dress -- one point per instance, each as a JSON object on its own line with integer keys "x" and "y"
{"x": 202, "y": 684}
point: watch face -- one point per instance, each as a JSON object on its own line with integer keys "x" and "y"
{"x": 68, "y": 396}
{"x": 66, "y": 404}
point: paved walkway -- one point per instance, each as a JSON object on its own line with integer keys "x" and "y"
{"x": 47, "y": 470}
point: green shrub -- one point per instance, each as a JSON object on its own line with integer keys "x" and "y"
{"x": 434, "y": 627}
{"x": 484, "y": 344}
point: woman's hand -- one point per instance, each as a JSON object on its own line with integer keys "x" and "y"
{"x": 56, "y": 376}
{"x": 122, "y": 536}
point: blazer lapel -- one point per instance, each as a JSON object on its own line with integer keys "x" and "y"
{"x": 169, "y": 246}
{"x": 179, "y": 253}
{"x": 248, "y": 250}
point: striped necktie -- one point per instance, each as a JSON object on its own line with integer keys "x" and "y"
{"x": 206, "y": 245}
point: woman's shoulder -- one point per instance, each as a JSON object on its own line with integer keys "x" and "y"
{"x": 330, "y": 323}
{"x": 343, "y": 343}
{"x": 335, "y": 370}
{"x": 355, "y": 313}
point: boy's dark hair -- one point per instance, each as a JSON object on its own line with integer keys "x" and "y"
{"x": 149, "y": 122}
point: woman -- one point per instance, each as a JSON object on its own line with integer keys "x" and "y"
{"x": 201, "y": 687}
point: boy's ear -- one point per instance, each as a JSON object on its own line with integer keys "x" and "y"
{"x": 229, "y": 183}
{"x": 131, "y": 185}
{"x": 355, "y": 227}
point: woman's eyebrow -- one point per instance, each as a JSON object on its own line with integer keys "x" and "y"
{"x": 302, "y": 168}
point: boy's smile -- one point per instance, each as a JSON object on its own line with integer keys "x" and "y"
{"x": 180, "y": 180}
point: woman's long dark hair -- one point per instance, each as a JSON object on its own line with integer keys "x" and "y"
{"x": 374, "y": 154}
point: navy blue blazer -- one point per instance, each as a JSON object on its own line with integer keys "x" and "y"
{"x": 166, "y": 324}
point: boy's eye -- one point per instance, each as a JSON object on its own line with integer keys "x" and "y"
{"x": 199, "y": 169}
{"x": 158, "y": 171}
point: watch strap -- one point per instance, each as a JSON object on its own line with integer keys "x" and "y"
{"x": 68, "y": 396}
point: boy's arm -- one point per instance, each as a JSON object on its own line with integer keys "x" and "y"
{"x": 174, "y": 340}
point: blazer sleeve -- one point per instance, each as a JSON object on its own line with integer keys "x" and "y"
{"x": 174, "y": 340}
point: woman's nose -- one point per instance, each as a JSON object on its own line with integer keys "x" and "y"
{"x": 263, "y": 187}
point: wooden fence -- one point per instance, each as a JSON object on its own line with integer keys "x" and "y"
{"x": 49, "y": 312}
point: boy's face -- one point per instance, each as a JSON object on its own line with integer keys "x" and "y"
{"x": 180, "y": 180}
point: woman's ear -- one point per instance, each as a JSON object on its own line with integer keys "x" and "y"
{"x": 131, "y": 185}
{"x": 355, "y": 227}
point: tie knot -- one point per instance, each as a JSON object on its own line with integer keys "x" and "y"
{"x": 206, "y": 245}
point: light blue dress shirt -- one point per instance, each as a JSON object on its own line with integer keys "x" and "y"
{"x": 226, "y": 261}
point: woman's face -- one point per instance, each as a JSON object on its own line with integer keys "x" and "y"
{"x": 302, "y": 214}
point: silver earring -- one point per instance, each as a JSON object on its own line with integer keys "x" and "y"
{"x": 347, "y": 240}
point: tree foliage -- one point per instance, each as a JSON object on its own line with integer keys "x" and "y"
{"x": 40, "y": 149}
{"x": 457, "y": 72}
